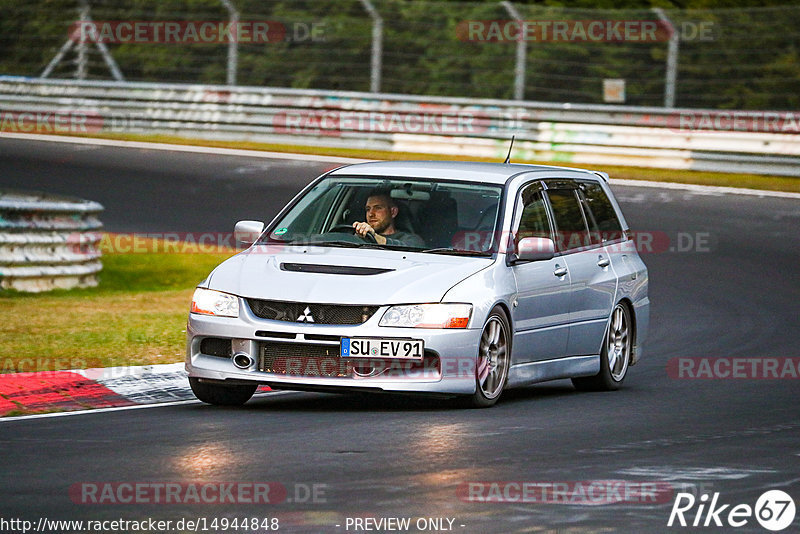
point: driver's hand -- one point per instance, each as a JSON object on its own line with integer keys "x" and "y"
{"x": 362, "y": 229}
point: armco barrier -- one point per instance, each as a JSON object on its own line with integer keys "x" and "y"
{"x": 723, "y": 141}
{"x": 48, "y": 242}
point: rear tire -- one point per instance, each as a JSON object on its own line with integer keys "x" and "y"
{"x": 615, "y": 354}
{"x": 222, "y": 395}
{"x": 492, "y": 362}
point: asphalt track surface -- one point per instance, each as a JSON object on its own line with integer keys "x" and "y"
{"x": 735, "y": 296}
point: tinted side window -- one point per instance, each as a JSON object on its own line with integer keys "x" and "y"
{"x": 602, "y": 212}
{"x": 571, "y": 231}
{"x": 533, "y": 221}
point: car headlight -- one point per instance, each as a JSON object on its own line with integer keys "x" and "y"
{"x": 428, "y": 316}
{"x": 209, "y": 302}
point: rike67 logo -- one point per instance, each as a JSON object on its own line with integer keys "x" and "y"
{"x": 774, "y": 510}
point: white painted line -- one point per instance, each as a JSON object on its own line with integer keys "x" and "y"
{"x": 123, "y": 408}
{"x": 183, "y": 148}
{"x": 96, "y": 410}
{"x": 700, "y": 189}
{"x": 675, "y": 473}
{"x": 705, "y": 189}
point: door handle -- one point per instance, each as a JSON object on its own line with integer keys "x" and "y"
{"x": 603, "y": 262}
{"x": 560, "y": 271}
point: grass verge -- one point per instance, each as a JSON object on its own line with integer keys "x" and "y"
{"x": 136, "y": 316}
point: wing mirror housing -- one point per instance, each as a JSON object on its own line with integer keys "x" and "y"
{"x": 535, "y": 249}
{"x": 247, "y": 232}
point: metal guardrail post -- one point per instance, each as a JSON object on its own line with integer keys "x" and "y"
{"x": 672, "y": 59}
{"x": 522, "y": 48}
{"x": 84, "y": 17}
{"x": 57, "y": 58}
{"x": 48, "y": 242}
{"x": 233, "y": 45}
{"x": 83, "y": 52}
{"x": 377, "y": 47}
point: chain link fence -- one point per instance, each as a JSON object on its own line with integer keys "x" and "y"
{"x": 720, "y": 59}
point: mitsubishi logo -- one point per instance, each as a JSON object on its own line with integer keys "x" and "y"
{"x": 306, "y": 316}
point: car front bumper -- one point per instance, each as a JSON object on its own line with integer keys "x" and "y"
{"x": 448, "y": 367}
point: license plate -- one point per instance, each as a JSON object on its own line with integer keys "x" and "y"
{"x": 370, "y": 347}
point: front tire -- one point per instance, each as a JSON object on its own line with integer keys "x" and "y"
{"x": 615, "y": 354}
{"x": 493, "y": 361}
{"x": 222, "y": 395}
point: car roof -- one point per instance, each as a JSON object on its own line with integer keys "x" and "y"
{"x": 496, "y": 173}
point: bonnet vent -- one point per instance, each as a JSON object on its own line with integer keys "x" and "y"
{"x": 332, "y": 269}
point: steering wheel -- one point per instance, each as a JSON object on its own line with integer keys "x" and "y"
{"x": 346, "y": 228}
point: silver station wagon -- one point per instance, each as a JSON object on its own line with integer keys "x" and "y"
{"x": 438, "y": 278}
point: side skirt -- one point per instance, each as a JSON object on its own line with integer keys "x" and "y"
{"x": 574, "y": 366}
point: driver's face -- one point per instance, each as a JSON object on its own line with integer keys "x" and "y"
{"x": 379, "y": 214}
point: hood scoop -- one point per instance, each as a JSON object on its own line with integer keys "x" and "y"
{"x": 332, "y": 269}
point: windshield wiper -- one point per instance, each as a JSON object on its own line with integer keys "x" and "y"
{"x": 333, "y": 243}
{"x": 352, "y": 244}
{"x": 456, "y": 251}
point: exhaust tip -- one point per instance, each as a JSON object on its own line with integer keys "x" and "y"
{"x": 242, "y": 360}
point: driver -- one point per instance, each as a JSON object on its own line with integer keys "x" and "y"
{"x": 381, "y": 213}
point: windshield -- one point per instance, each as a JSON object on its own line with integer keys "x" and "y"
{"x": 434, "y": 216}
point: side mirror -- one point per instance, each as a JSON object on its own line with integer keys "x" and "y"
{"x": 535, "y": 249}
{"x": 247, "y": 231}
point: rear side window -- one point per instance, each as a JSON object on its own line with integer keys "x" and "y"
{"x": 571, "y": 230}
{"x": 603, "y": 218}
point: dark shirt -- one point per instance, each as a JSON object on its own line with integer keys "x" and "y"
{"x": 405, "y": 239}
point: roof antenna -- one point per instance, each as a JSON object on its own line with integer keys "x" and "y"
{"x": 508, "y": 158}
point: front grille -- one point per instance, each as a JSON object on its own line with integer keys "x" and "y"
{"x": 303, "y": 359}
{"x": 311, "y": 313}
{"x": 323, "y": 361}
